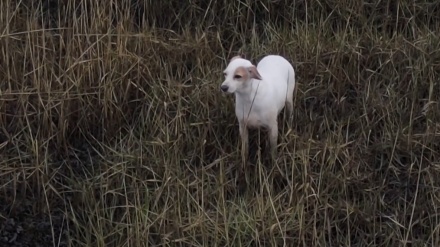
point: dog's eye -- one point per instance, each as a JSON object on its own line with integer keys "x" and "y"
{"x": 224, "y": 74}
{"x": 237, "y": 76}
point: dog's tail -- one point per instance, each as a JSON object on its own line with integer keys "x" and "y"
{"x": 291, "y": 84}
{"x": 289, "y": 78}
{"x": 288, "y": 83}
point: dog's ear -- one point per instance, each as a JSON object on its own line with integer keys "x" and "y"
{"x": 253, "y": 72}
{"x": 234, "y": 58}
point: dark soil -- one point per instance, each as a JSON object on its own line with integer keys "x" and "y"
{"x": 20, "y": 226}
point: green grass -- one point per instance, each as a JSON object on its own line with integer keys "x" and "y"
{"x": 113, "y": 131}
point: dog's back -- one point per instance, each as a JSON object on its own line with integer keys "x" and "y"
{"x": 275, "y": 65}
{"x": 277, "y": 71}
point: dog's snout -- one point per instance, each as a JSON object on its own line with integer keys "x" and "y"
{"x": 224, "y": 88}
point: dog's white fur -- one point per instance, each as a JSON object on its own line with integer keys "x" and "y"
{"x": 260, "y": 94}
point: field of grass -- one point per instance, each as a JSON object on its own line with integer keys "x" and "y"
{"x": 114, "y": 132}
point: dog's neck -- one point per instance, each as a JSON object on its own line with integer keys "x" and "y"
{"x": 248, "y": 92}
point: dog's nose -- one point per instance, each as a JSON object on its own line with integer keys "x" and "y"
{"x": 224, "y": 88}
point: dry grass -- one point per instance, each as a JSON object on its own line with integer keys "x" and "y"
{"x": 113, "y": 130}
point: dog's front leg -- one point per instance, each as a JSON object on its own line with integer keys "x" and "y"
{"x": 244, "y": 140}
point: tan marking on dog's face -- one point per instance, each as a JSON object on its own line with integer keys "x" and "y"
{"x": 241, "y": 74}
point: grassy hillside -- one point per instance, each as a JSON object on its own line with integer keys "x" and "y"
{"x": 113, "y": 130}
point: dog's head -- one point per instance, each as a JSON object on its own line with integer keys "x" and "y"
{"x": 238, "y": 73}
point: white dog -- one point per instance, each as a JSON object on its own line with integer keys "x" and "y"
{"x": 260, "y": 94}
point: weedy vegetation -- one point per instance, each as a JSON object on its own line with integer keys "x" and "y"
{"x": 114, "y": 132}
